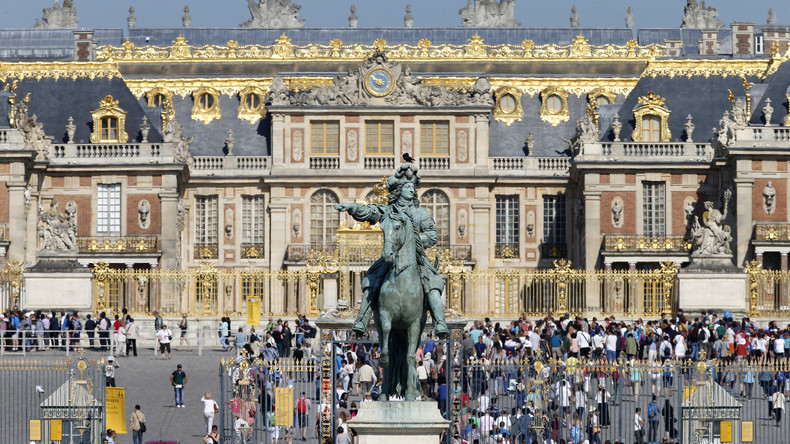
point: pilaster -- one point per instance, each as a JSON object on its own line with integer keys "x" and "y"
{"x": 743, "y": 210}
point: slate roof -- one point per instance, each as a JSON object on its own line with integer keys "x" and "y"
{"x": 54, "y": 101}
{"x": 48, "y": 44}
{"x": 304, "y": 36}
{"x": 705, "y": 99}
{"x": 777, "y": 85}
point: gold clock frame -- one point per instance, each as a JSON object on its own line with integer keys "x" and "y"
{"x": 108, "y": 107}
{"x": 205, "y": 115}
{"x": 376, "y": 93}
{"x": 245, "y": 112}
{"x": 508, "y": 117}
{"x": 653, "y": 105}
{"x": 563, "y": 115}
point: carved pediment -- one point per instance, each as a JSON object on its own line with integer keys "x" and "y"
{"x": 380, "y": 82}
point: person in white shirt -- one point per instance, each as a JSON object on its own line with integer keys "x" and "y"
{"x": 638, "y": 421}
{"x": 164, "y": 336}
{"x": 209, "y": 408}
{"x": 611, "y": 347}
{"x": 483, "y": 402}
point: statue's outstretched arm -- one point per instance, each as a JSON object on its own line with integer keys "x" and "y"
{"x": 361, "y": 213}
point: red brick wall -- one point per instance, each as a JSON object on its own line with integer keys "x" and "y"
{"x": 629, "y": 212}
{"x": 4, "y": 203}
{"x": 58, "y": 182}
{"x": 156, "y": 181}
{"x": 132, "y": 201}
{"x": 679, "y": 211}
{"x": 84, "y": 219}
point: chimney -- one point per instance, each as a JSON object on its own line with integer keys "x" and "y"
{"x": 709, "y": 44}
{"x": 742, "y": 37}
{"x": 84, "y": 46}
{"x": 674, "y": 47}
{"x": 776, "y": 36}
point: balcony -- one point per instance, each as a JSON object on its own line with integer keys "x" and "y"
{"x": 636, "y": 243}
{"x": 120, "y": 244}
{"x": 506, "y": 250}
{"x": 132, "y": 153}
{"x": 379, "y": 162}
{"x": 325, "y": 163}
{"x": 252, "y": 251}
{"x": 367, "y": 253}
{"x": 772, "y": 233}
{"x": 251, "y": 166}
{"x": 647, "y": 152}
{"x": 553, "y": 250}
{"x": 768, "y": 137}
{"x": 206, "y": 251}
{"x": 530, "y": 166}
{"x": 435, "y": 163}
{"x": 300, "y": 252}
{"x": 446, "y": 253}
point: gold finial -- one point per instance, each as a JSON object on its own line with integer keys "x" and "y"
{"x": 652, "y": 99}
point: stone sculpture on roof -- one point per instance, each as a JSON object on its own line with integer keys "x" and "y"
{"x": 489, "y": 14}
{"x": 59, "y": 16}
{"x": 274, "y": 14}
{"x": 699, "y": 16}
{"x": 380, "y": 82}
{"x": 32, "y": 130}
{"x": 180, "y": 142}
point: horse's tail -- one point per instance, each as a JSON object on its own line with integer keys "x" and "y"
{"x": 397, "y": 373}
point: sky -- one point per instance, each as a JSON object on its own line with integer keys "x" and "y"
{"x": 389, "y": 13}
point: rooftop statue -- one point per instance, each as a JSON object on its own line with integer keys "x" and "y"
{"x": 699, "y": 16}
{"x": 401, "y": 286}
{"x": 32, "y": 130}
{"x": 173, "y": 134}
{"x": 489, "y": 14}
{"x": 274, "y": 14}
{"x": 59, "y": 16}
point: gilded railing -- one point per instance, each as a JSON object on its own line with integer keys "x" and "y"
{"x": 122, "y": 244}
{"x": 12, "y": 284}
{"x": 206, "y": 251}
{"x": 772, "y": 232}
{"x": 284, "y": 49}
{"x": 769, "y": 291}
{"x": 252, "y": 251}
{"x": 626, "y": 243}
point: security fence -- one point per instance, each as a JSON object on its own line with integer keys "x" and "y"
{"x": 769, "y": 291}
{"x": 53, "y": 401}
{"x": 12, "y": 286}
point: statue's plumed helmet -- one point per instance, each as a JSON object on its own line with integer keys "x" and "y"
{"x": 407, "y": 172}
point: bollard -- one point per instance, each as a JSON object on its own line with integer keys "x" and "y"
{"x": 200, "y": 341}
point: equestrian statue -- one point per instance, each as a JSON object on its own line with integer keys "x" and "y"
{"x": 401, "y": 286}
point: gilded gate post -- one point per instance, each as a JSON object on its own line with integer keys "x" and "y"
{"x": 668, "y": 273}
{"x": 16, "y": 276}
{"x": 562, "y": 270}
{"x": 753, "y": 269}
{"x": 100, "y": 270}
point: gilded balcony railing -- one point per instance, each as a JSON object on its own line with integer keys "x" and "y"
{"x": 772, "y": 232}
{"x": 252, "y": 251}
{"x": 206, "y": 251}
{"x": 506, "y": 250}
{"x": 629, "y": 243}
{"x": 121, "y": 244}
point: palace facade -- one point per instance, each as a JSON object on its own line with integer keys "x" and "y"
{"x": 198, "y": 169}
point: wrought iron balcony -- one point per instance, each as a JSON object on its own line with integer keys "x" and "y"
{"x": 206, "y": 251}
{"x": 252, "y": 251}
{"x": 301, "y": 252}
{"x": 118, "y": 244}
{"x": 506, "y": 250}
{"x": 637, "y": 243}
{"x": 448, "y": 253}
{"x": 772, "y": 232}
{"x": 553, "y": 250}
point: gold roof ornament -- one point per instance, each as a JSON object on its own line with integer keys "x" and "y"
{"x": 652, "y": 99}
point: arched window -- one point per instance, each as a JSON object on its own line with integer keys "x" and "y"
{"x": 554, "y": 104}
{"x": 159, "y": 100}
{"x": 438, "y": 206}
{"x": 602, "y": 100}
{"x": 651, "y": 128}
{"x": 324, "y": 219}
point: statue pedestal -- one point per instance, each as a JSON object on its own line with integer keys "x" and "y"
{"x": 396, "y": 422}
{"x": 712, "y": 283}
{"x": 58, "y": 284}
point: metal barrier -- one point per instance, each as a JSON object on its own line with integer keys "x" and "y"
{"x": 269, "y": 402}
{"x": 60, "y": 400}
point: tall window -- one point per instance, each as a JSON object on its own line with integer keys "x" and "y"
{"x": 759, "y": 44}
{"x": 554, "y": 219}
{"x": 438, "y": 206}
{"x": 435, "y": 138}
{"x": 651, "y": 128}
{"x": 379, "y": 137}
{"x": 108, "y": 217}
{"x": 654, "y": 208}
{"x": 323, "y": 218}
{"x": 109, "y": 129}
{"x": 206, "y": 220}
{"x": 325, "y": 138}
{"x": 253, "y": 216}
{"x": 507, "y": 226}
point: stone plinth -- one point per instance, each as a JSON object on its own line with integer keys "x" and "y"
{"x": 712, "y": 283}
{"x": 398, "y": 422}
{"x": 57, "y": 284}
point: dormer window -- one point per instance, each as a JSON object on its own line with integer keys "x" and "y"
{"x": 651, "y": 117}
{"x": 205, "y": 107}
{"x": 251, "y": 106}
{"x": 109, "y": 123}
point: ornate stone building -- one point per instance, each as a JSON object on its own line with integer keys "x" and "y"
{"x": 156, "y": 150}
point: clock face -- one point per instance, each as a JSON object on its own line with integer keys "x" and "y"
{"x": 379, "y": 82}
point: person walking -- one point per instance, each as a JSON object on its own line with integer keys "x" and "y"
{"x": 652, "y": 421}
{"x": 179, "y": 379}
{"x": 210, "y": 407}
{"x": 90, "y": 330}
{"x": 164, "y": 336}
{"x": 778, "y": 399}
{"x": 183, "y": 326}
{"x": 137, "y": 424}
{"x": 109, "y": 371}
{"x": 303, "y": 414}
{"x": 639, "y": 432}
{"x": 132, "y": 333}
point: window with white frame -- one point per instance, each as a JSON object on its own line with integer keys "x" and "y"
{"x": 108, "y": 209}
{"x": 438, "y": 206}
{"x": 324, "y": 218}
{"x": 206, "y": 220}
{"x": 507, "y": 226}
{"x": 759, "y": 44}
{"x": 253, "y": 217}
{"x": 554, "y": 223}
{"x": 654, "y": 208}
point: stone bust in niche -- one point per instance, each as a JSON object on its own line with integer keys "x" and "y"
{"x": 617, "y": 212}
{"x": 769, "y": 198}
{"x": 144, "y": 214}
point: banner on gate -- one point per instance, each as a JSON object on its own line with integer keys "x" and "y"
{"x": 285, "y": 407}
{"x": 254, "y": 310}
{"x": 116, "y": 409}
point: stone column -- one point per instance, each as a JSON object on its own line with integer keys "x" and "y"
{"x": 170, "y": 233}
{"x": 759, "y": 258}
{"x": 277, "y": 246}
{"x": 291, "y": 287}
{"x": 592, "y": 228}
{"x": 635, "y": 296}
{"x": 481, "y": 253}
{"x": 481, "y": 146}
{"x": 129, "y": 297}
{"x": 17, "y": 227}
{"x": 743, "y": 212}
{"x": 606, "y": 305}
{"x": 278, "y": 142}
